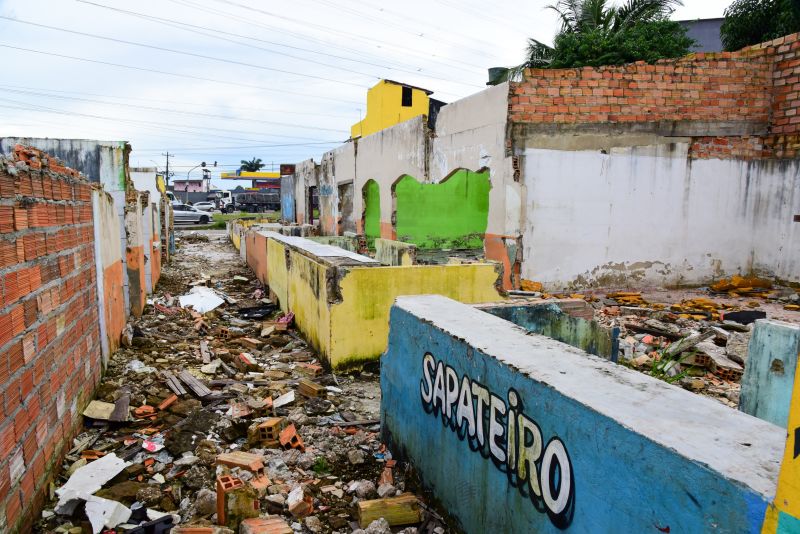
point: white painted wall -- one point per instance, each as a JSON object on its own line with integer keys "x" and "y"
{"x": 647, "y": 215}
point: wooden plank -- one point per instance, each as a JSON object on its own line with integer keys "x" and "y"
{"x": 174, "y": 384}
{"x": 402, "y": 510}
{"x": 194, "y": 384}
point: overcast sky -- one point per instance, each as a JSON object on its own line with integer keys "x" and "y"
{"x": 226, "y": 80}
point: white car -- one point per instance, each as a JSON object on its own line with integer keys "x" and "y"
{"x": 205, "y": 206}
{"x": 189, "y": 214}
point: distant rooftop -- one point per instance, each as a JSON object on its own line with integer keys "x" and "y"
{"x": 706, "y": 32}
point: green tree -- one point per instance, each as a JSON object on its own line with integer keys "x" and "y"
{"x": 254, "y": 165}
{"x": 749, "y": 22}
{"x": 594, "y": 33}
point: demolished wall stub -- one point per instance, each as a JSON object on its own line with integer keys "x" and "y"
{"x": 451, "y": 375}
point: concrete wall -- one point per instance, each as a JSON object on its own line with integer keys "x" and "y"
{"x": 768, "y": 381}
{"x": 784, "y": 516}
{"x": 137, "y": 241}
{"x": 591, "y": 446}
{"x": 102, "y": 162}
{"x": 341, "y": 300}
{"x": 451, "y": 214}
{"x": 649, "y": 213}
{"x": 471, "y": 134}
{"x": 50, "y": 337}
{"x": 109, "y": 269}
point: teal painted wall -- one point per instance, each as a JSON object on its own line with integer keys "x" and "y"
{"x": 768, "y": 379}
{"x": 451, "y": 214}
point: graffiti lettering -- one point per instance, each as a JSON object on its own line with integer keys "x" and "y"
{"x": 796, "y": 442}
{"x": 502, "y": 432}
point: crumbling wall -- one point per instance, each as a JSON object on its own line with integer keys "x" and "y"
{"x": 135, "y": 240}
{"x": 729, "y": 87}
{"x": 49, "y": 326}
{"x": 155, "y": 243}
{"x": 341, "y": 300}
{"x": 451, "y": 214}
{"x": 471, "y": 134}
{"x": 516, "y": 432}
{"x": 629, "y": 170}
{"x": 638, "y": 215}
{"x": 288, "y": 202}
{"x": 109, "y": 269}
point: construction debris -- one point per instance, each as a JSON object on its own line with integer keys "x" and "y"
{"x": 189, "y": 431}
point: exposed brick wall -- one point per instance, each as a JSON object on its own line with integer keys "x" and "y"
{"x": 757, "y": 85}
{"x": 50, "y": 355}
{"x": 721, "y": 87}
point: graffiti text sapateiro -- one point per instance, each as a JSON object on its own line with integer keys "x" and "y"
{"x": 500, "y": 430}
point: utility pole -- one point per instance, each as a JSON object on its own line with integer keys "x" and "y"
{"x": 166, "y": 174}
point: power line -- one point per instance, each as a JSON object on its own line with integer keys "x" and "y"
{"x": 145, "y": 124}
{"x": 194, "y": 104}
{"x": 243, "y": 146}
{"x": 194, "y": 28}
{"x": 171, "y": 124}
{"x": 338, "y": 33}
{"x": 185, "y": 53}
{"x": 401, "y": 27}
{"x": 333, "y": 30}
{"x": 151, "y": 108}
{"x": 166, "y": 73}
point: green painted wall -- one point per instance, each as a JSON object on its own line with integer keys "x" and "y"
{"x": 450, "y": 214}
{"x": 372, "y": 211}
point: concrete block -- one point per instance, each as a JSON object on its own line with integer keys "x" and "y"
{"x": 769, "y": 374}
{"x": 522, "y": 433}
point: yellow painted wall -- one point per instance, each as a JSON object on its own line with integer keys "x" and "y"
{"x": 355, "y": 329}
{"x": 360, "y": 323}
{"x": 308, "y": 300}
{"x": 277, "y": 273}
{"x": 384, "y": 108}
{"x": 783, "y": 516}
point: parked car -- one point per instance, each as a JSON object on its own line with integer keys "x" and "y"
{"x": 205, "y": 206}
{"x": 189, "y": 214}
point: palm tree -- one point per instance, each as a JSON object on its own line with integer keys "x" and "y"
{"x": 584, "y": 16}
{"x": 254, "y": 165}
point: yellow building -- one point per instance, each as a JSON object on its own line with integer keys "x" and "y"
{"x": 390, "y": 103}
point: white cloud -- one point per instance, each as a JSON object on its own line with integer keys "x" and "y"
{"x": 443, "y": 45}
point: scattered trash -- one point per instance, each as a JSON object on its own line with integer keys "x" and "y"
{"x": 222, "y": 418}
{"x": 202, "y": 299}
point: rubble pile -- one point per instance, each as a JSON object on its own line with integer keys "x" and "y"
{"x": 215, "y": 415}
{"x": 697, "y": 339}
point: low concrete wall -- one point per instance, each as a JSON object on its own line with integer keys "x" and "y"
{"x": 341, "y": 300}
{"x": 768, "y": 379}
{"x": 390, "y": 252}
{"x": 550, "y": 319}
{"x": 516, "y": 432}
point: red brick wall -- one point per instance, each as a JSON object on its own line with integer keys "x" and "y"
{"x": 725, "y": 87}
{"x": 760, "y": 84}
{"x": 50, "y": 356}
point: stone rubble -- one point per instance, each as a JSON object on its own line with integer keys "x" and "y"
{"x": 215, "y": 420}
